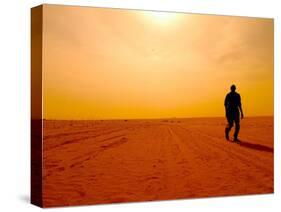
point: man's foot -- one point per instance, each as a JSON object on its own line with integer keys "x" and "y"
{"x": 226, "y": 135}
{"x": 236, "y": 140}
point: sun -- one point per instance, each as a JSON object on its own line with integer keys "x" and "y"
{"x": 162, "y": 18}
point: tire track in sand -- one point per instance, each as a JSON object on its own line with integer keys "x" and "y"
{"x": 249, "y": 160}
{"x": 237, "y": 163}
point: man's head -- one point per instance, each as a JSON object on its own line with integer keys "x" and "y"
{"x": 233, "y": 88}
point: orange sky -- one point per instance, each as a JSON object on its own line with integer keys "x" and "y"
{"x": 112, "y": 64}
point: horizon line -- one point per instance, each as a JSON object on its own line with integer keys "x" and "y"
{"x": 112, "y": 119}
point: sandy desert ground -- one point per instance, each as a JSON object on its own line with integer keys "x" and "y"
{"x": 90, "y": 162}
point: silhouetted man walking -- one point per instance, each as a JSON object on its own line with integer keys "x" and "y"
{"x": 232, "y": 104}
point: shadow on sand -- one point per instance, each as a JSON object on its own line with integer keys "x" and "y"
{"x": 256, "y": 146}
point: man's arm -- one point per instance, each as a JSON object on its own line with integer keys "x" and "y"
{"x": 240, "y": 108}
{"x": 226, "y": 104}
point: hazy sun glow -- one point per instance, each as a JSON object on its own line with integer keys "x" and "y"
{"x": 116, "y": 64}
{"x": 162, "y": 17}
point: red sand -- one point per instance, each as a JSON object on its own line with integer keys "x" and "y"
{"x": 90, "y": 162}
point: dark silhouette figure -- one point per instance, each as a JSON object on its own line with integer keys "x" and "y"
{"x": 232, "y": 104}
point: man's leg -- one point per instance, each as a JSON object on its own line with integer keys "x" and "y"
{"x": 228, "y": 127}
{"x": 237, "y": 127}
